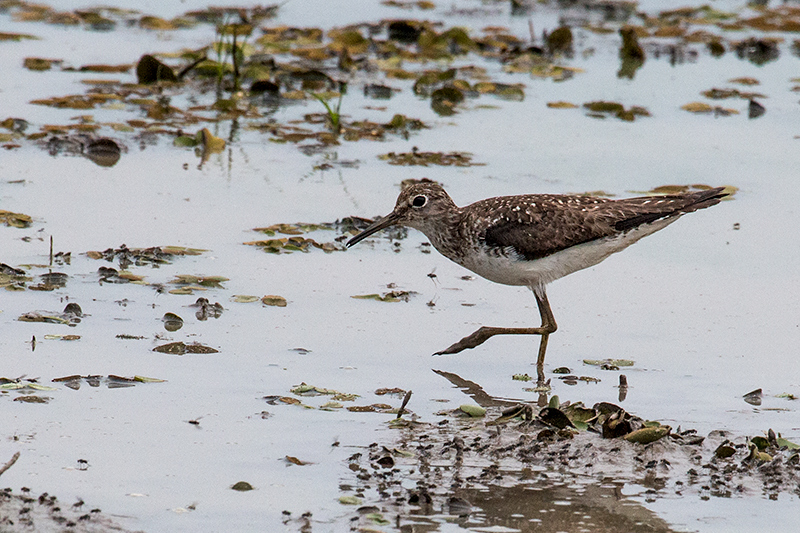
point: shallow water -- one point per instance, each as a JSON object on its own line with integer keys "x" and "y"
{"x": 707, "y": 312}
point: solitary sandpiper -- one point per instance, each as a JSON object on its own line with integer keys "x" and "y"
{"x": 532, "y": 239}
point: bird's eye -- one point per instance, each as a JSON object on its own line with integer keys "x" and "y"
{"x": 419, "y": 201}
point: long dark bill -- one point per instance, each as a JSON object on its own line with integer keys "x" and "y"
{"x": 376, "y": 226}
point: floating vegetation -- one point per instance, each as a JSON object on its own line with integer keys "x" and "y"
{"x": 172, "y": 322}
{"x": 610, "y": 362}
{"x": 720, "y": 94}
{"x": 601, "y": 109}
{"x": 180, "y": 348}
{"x": 293, "y": 244}
{"x": 188, "y": 283}
{"x": 32, "y": 398}
{"x": 703, "y": 108}
{"x": 391, "y": 296}
{"x": 292, "y": 229}
{"x": 273, "y": 300}
{"x": 112, "y": 275}
{"x": 71, "y": 316}
{"x": 680, "y": 189}
{"x": 14, "y": 220}
{"x": 13, "y": 279}
{"x": 6, "y": 36}
{"x": 39, "y": 63}
{"x": 206, "y": 309}
{"x": 244, "y": 298}
{"x": 242, "y": 486}
{"x": 310, "y": 390}
{"x": 283, "y": 64}
{"x": 151, "y": 70}
{"x": 204, "y": 139}
{"x": 562, "y": 105}
{"x": 23, "y": 385}
{"x": 471, "y": 410}
{"x": 415, "y": 157}
{"x": 53, "y": 337}
{"x": 156, "y": 255}
{"x": 112, "y": 381}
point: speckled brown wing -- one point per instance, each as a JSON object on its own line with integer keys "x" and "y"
{"x": 546, "y": 224}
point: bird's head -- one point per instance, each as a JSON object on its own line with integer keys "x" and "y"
{"x": 421, "y": 205}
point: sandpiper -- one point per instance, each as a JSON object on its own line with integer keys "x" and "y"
{"x": 532, "y": 239}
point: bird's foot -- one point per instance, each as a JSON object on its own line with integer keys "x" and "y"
{"x": 471, "y": 341}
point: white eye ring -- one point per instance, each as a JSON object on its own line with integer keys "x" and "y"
{"x": 419, "y": 201}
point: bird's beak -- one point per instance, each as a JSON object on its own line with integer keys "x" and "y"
{"x": 376, "y": 226}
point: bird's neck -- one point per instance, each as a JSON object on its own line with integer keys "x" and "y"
{"x": 445, "y": 234}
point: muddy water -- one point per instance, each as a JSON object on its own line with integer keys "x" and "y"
{"x": 707, "y": 309}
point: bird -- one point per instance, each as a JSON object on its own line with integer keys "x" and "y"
{"x": 532, "y": 239}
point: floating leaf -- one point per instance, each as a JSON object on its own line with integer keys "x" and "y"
{"x": 753, "y": 397}
{"x": 292, "y": 229}
{"x": 210, "y": 143}
{"x": 555, "y": 417}
{"x": 244, "y": 299}
{"x": 273, "y": 300}
{"x": 38, "y": 63}
{"x": 6, "y": 36}
{"x": 32, "y": 399}
{"x": 391, "y": 296}
{"x": 377, "y": 518}
{"x": 473, "y": 411}
{"x": 296, "y": 461}
{"x": 374, "y": 408}
{"x": 144, "y": 379}
{"x": 16, "y": 220}
{"x": 205, "y": 281}
{"x": 647, "y": 435}
{"x": 242, "y": 486}
{"x": 25, "y": 385}
{"x": 62, "y": 337}
{"x": 151, "y": 70}
{"x": 783, "y": 443}
{"x": 458, "y": 159}
{"x": 521, "y": 377}
{"x": 724, "y": 451}
{"x": 310, "y": 390}
{"x": 292, "y": 244}
{"x": 349, "y": 500}
{"x": 697, "y": 107}
{"x": 611, "y": 362}
{"x": 180, "y": 348}
{"x": 562, "y": 105}
{"x": 745, "y": 81}
{"x": 185, "y": 141}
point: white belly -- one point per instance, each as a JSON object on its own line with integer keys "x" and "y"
{"x": 510, "y": 270}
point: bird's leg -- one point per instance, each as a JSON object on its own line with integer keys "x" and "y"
{"x": 484, "y": 333}
{"x": 548, "y": 324}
